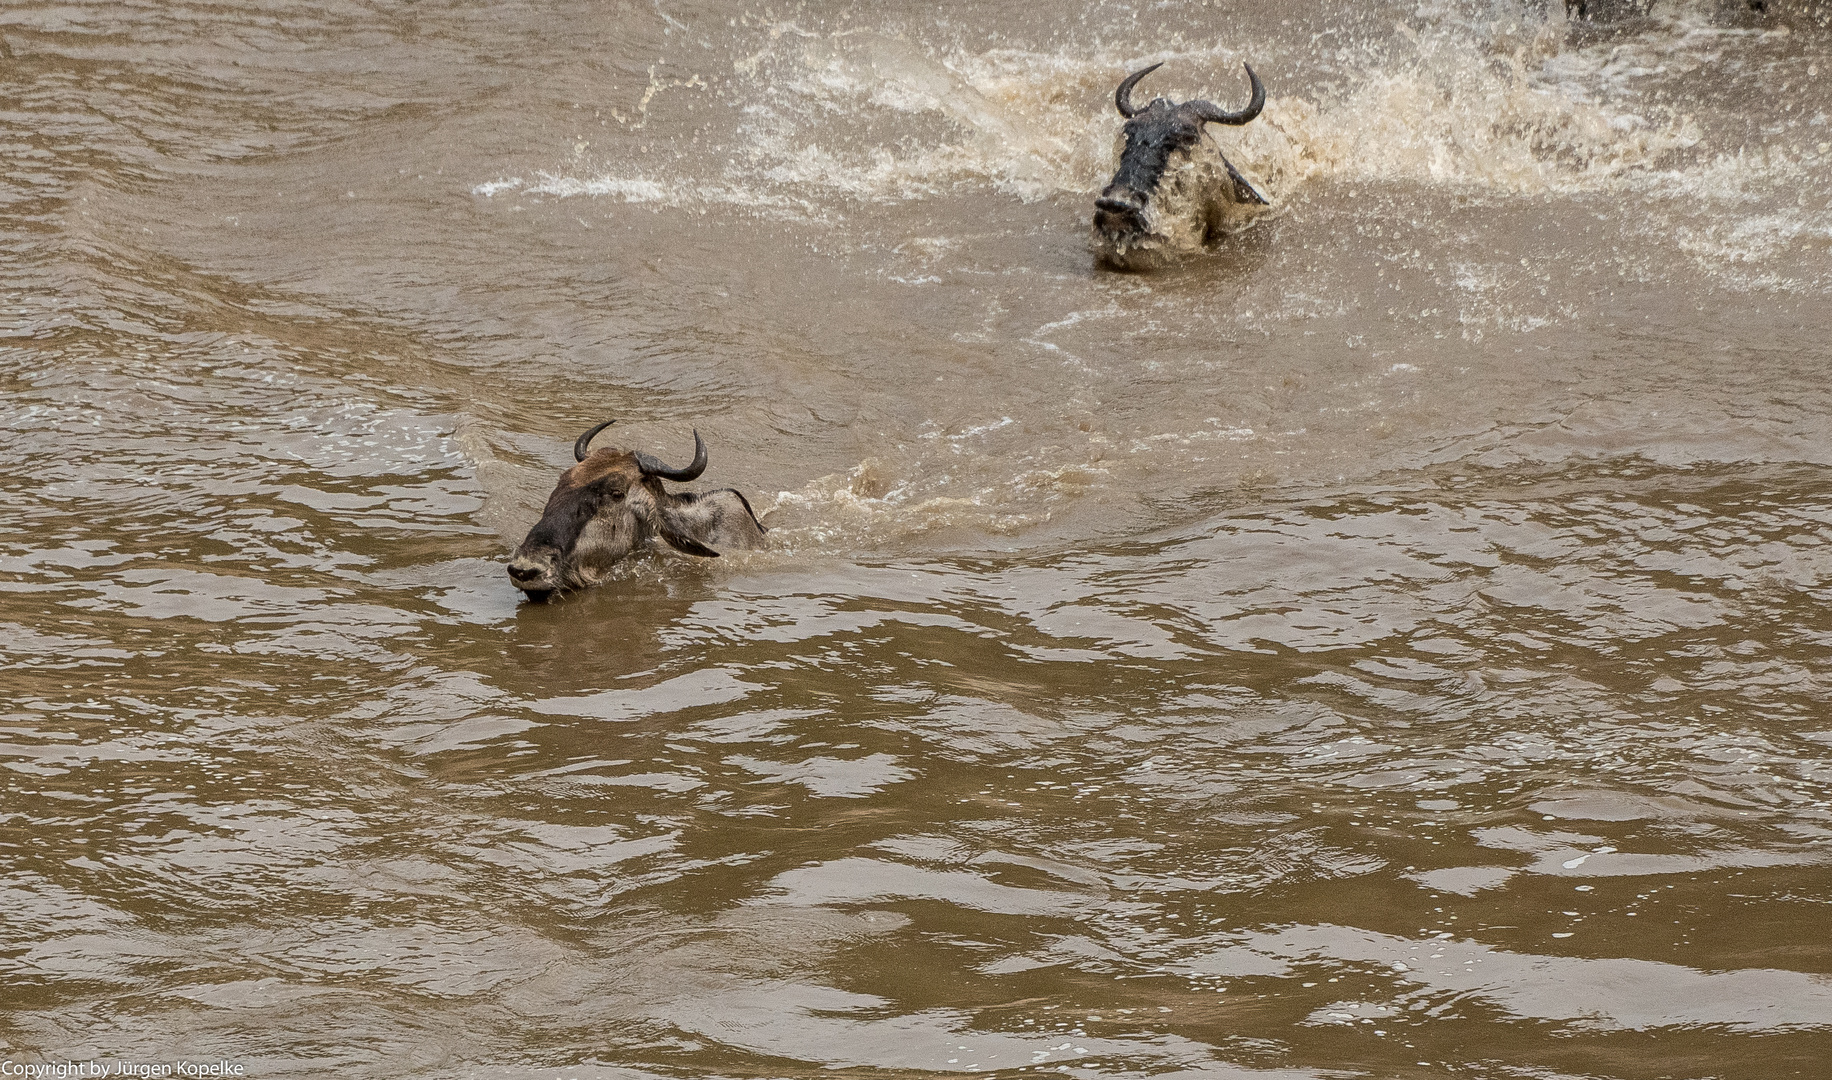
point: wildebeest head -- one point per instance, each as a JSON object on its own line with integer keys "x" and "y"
{"x": 1158, "y": 138}
{"x": 613, "y": 502}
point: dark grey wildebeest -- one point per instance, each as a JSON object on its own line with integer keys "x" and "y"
{"x": 1173, "y": 191}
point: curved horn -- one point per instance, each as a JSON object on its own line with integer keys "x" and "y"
{"x": 1213, "y": 113}
{"x": 585, "y": 440}
{"x": 1122, "y": 98}
{"x": 651, "y": 467}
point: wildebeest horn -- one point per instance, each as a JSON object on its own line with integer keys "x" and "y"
{"x": 1213, "y": 113}
{"x": 585, "y": 440}
{"x": 651, "y": 467}
{"x": 1123, "y": 96}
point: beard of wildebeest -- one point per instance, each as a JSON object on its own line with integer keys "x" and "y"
{"x": 1174, "y": 191}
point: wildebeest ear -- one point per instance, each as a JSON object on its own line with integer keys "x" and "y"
{"x": 1244, "y": 191}
{"x": 694, "y": 523}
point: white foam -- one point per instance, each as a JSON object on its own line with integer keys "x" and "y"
{"x": 627, "y": 189}
{"x": 1448, "y": 102}
{"x": 1507, "y": 109}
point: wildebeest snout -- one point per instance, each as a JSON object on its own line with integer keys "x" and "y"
{"x": 1120, "y": 211}
{"x": 1121, "y": 200}
{"x": 532, "y": 571}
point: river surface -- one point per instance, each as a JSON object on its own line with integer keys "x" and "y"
{"x": 1391, "y": 644}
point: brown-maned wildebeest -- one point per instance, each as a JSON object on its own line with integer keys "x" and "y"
{"x": 612, "y": 503}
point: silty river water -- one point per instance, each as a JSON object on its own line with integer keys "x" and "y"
{"x": 1392, "y": 644}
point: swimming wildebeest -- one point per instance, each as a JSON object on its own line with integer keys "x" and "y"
{"x": 612, "y": 503}
{"x": 1174, "y": 190}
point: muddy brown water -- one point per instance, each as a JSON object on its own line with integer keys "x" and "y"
{"x": 1393, "y": 644}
